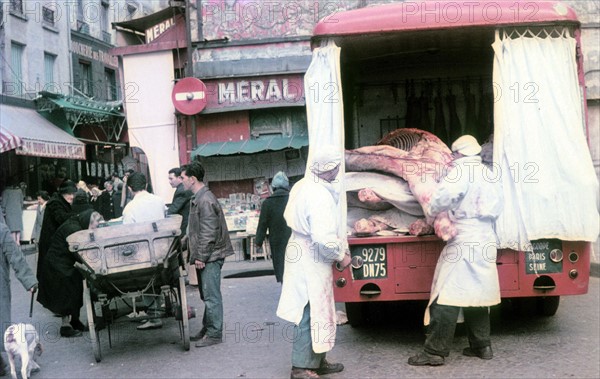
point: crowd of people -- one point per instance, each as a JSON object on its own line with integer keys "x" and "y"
{"x": 303, "y": 231}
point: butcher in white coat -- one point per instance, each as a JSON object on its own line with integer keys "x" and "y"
{"x": 307, "y": 291}
{"x": 465, "y": 283}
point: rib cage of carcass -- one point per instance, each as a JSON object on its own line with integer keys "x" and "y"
{"x": 418, "y": 157}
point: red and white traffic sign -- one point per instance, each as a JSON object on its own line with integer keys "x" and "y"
{"x": 189, "y": 96}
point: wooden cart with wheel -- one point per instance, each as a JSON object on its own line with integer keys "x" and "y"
{"x": 133, "y": 270}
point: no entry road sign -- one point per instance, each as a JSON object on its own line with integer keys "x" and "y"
{"x": 189, "y": 96}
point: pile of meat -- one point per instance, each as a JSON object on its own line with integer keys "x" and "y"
{"x": 394, "y": 181}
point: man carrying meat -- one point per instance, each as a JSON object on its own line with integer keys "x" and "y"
{"x": 465, "y": 282}
{"x": 307, "y": 292}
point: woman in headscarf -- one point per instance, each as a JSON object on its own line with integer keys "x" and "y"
{"x": 65, "y": 283}
{"x": 271, "y": 219}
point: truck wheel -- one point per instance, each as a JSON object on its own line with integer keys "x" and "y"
{"x": 356, "y": 313}
{"x": 547, "y": 306}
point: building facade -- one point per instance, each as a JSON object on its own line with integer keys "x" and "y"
{"x": 57, "y": 76}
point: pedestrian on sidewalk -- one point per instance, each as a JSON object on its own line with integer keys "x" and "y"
{"x": 12, "y": 206}
{"x": 465, "y": 281}
{"x": 58, "y": 210}
{"x": 11, "y": 256}
{"x": 65, "y": 284}
{"x": 271, "y": 220}
{"x": 208, "y": 244}
{"x": 42, "y": 199}
{"x": 181, "y": 205}
{"x": 307, "y": 291}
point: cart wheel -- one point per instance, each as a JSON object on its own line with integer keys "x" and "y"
{"x": 89, "y": 308}
{"x": 185, "y": 322}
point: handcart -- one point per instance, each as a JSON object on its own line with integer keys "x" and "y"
{"x": 135, "y": 270}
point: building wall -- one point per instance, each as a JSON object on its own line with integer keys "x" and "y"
{"x": 29, "y": 29}
{"x": 94, "y": 52}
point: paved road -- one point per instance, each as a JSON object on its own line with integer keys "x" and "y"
{"x": 257, "y": 343}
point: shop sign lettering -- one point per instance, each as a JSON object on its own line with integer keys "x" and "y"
{"x": 51, "y": 150}
{"x": 155, "y": 31}
{"x": 94, "y": 54}
{"x": 248, "y": 93}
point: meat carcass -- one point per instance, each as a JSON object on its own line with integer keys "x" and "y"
{"x": 420, "y": 228}
{"x": 420, "y": 158}
{"x": 375, "y": 189}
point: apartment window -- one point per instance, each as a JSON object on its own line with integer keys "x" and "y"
{"x": 104, "y": 16}
{"x": 48, "y": 16}
{"x": 16, "y": 53}
{"x": 110, "y": 82}
{"x": 85, "y": 83}
{"x": 16, "y": 6}
{"x": 49, "y": 60}
{"x": 131, "y": 9}
{"x": 80, "y": 10}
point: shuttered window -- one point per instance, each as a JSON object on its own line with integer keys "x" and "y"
{"x": 49, "y": 60}
{"x": 16, "y": 53}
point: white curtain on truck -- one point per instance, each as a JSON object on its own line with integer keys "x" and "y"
{"x": 540, "y": 150}
{"x": 325, "y": 113}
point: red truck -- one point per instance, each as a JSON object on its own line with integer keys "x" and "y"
{"x": 393, "y": 53}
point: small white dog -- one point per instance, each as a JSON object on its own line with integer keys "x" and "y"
{"x": 22, "y": 340}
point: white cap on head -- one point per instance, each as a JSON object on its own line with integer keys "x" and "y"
{"x": 466, "y": 145}
{"x": 326, "y": 158}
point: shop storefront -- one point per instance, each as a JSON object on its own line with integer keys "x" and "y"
{"x": 37, "y": 150}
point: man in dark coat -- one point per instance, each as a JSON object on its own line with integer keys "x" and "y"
{"x": 110, "y": 202}
{"x": 65, "y": 284}
{"x": 58, "y": 210}
{"x": 271, "y": 219}
{"x": 181, "y": 198}
{"x": 11, "y": 256}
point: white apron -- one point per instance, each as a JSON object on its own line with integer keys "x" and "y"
{"x": 466, "y": 273}
{"x": 308, "y": 275}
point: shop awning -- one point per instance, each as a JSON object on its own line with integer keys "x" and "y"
{"x": 8, "y": 141}
{"x": 250, "y": 146}
{"x": 38, "y": 136}
{"x": 80, "y": 111}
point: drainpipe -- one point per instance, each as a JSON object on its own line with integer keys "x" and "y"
{"x": 190, "y": 63}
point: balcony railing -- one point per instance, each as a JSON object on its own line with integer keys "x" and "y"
{"x": 106, "y": 37}
{"x": 83, "y": 27}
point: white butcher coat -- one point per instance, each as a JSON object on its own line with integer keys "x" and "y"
{"x": 466, "y": 273}
{"x": 312, "y": 215}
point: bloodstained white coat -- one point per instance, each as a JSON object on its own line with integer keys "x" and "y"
{"x": 311, "y": 213}
{"x": 466, "y": 273}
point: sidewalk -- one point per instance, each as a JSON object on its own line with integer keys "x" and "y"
{"x": 247, "y": 268}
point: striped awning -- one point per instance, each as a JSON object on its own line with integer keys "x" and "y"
{"x": 8, "y": 141}
{"x": 38, "y": 136}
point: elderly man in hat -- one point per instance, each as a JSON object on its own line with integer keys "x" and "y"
{"x": 465, "y": 282}
{"x": 58, "y": 210}
{"x": 307, "y": 291}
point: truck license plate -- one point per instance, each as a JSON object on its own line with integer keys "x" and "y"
{"x": 374, "y": 259}
{"x": 538, "y": 261}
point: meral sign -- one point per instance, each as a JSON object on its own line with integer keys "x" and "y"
{"x": 248, "y": 93}
{"x": 158, "y": 29}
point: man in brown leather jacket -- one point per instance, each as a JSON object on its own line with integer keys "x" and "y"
{"x": 208, "y": 244}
